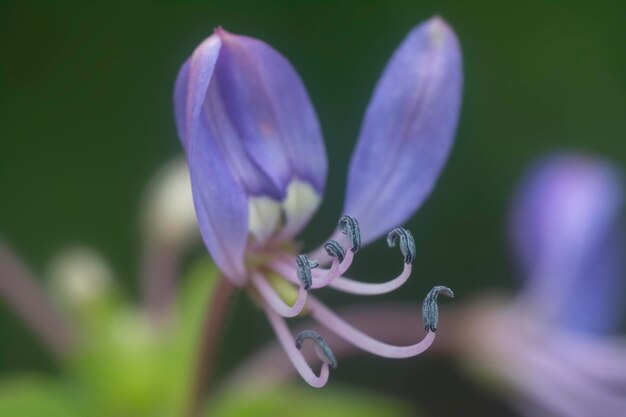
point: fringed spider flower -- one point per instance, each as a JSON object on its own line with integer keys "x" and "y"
{"x": 258, "y": 169}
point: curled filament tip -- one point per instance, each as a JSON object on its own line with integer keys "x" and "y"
{"x": 321, "y": 347}
{"x": 304, "y": 266}
{"x": 349, "y": 226}
{"x": 430, "y": 310}
{"x": 407, "y": 244}
{"x": 335, "y": 250}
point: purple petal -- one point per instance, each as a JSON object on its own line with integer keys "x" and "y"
{"x": 268, "y": 111}
{"x": 181, "y": 91}
{"x": 255, "y": 108}
{"x": 565, "y": 228}
{"x": 408, "y": 130}
{"x": 221, "y": 207}
{"x": 219, "y": 199}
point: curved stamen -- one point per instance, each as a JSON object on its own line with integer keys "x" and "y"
{"x": 407, "y": 244}
{"x": 286, "y": 340}
{"x": 430, "y": 310}
{"x": 324, "y": 277}
{"x": 365, "y": 288}
{"x": 273, "y": 299}
{"x": 321, "y": 347}
{"x": 349, "y": 226}
{"x": 407, "y": 247}
{"x": 335, "y": 250}
{"x": 284, "y": 266}
{"x": 304, "y": 265}
{"x": 359, "y": 339}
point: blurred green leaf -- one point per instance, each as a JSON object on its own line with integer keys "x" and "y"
{"x": 30, "y": 396}
{"x": 130, "y": 366}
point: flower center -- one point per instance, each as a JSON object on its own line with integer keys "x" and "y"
{"x": 271, "y": 220}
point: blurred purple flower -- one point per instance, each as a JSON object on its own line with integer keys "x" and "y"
{"x": 566, "y": 229}
{"x": 258, "y": 170}
{"x": 556, "y": 345}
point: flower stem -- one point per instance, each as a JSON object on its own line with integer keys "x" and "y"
{"x": 209, "y": 344}
{"x": 20, "y": 290}
{"x": 159, "y": 273}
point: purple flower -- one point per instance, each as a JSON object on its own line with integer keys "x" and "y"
{"x": 566, "y": 229}
{"x": 556, "y": 344}
{"x": 258, "y": 170}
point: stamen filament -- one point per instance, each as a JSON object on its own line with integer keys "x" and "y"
{"x": 295, "y": 356}
{"x": 335, "y": 324}
{"x": 286, "y": 267}
{"x": 273, "y": 299}
{"x": 324, "y": 277}
{"x": 334, "y": 249}
{"x": 365, "y": 288}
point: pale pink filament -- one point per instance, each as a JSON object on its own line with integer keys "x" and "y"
{"x": 324, "y": 277}
{"x": 320, "y": 253}
{"x": 364, "y": 288}
{"x": 285, "y": 266}
{"x": 273, "y": 299}
{"x": 295, "y": 356}
{"x": 341, "y": 328}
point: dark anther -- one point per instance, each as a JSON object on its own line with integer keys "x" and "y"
{"x": 430, "y": 310}
{"x": 335, "y": 250}
{"x": 305, "y": 265}
{"x": 321, "y": 347}
{"x": 349, "y": 226}
{"x": 407, "y": 244}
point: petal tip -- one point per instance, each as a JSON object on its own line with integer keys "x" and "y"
{"x": 211, "y": 43}
{"x": 222, "y": 33}
{"x": 438, "y": 30}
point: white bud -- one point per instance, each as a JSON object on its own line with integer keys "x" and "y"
{"x": 168, "y": 213}
{"x": 80, "y": 275}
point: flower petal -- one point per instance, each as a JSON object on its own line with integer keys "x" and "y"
{"x": 408, "y": 130}
{"x": 269, "y": 111}
{"x": 221, "y": 208}
{"x": 565, "y": 228}
{"x": 181, "y": 90}
{"x": 220, "y": 200}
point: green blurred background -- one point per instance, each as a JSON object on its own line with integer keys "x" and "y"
{"x": 86, "y": 119}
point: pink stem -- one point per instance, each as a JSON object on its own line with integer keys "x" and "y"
{"x": 275, "y": 302}
{"x": 364, "y": 288}
{"x": 211, "y": 337}
{"x": 295, "y": 356}
{"x": 19, "y": 289}
{"x": 337, "y": 325}
{"x": 159, "y": 273}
